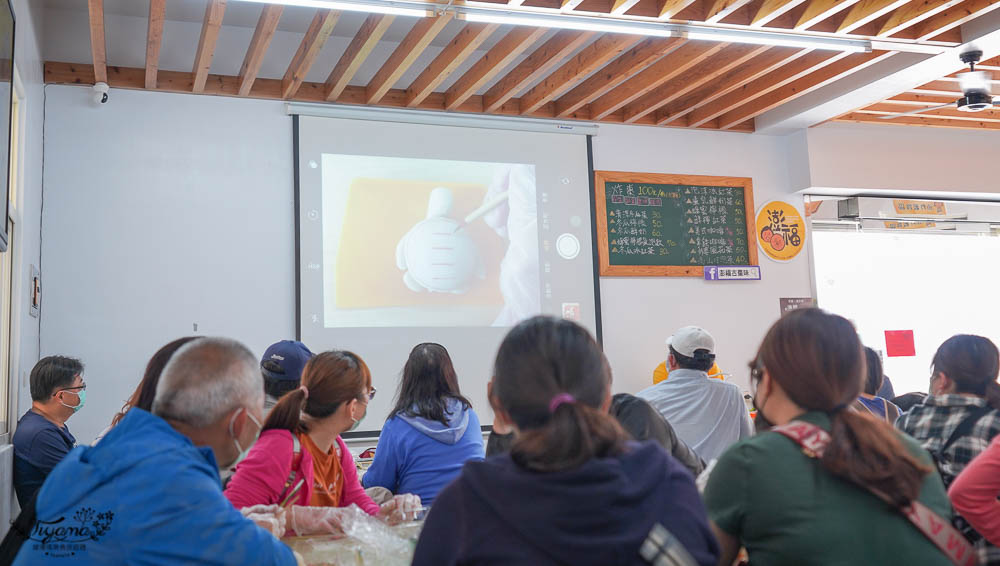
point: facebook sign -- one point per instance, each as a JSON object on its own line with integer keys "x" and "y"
{"x": 732, "y": 273}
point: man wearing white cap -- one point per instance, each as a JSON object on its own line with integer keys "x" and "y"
{"x": 707, "y": 414}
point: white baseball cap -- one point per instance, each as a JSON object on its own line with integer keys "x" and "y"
{"x": 687, "y": 340}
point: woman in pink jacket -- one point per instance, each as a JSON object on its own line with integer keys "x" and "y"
{"x": 974, "y": 493}
{"x": 300, "y": 441}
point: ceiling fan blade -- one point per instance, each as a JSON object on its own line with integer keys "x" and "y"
{"x": 917, "y": 111}
{"x": 978, "y": 81}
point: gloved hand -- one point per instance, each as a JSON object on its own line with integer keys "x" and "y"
{"x": 315, "y": 520}
{"x": 271, "y": 518}
{"x": 400, "y": 508}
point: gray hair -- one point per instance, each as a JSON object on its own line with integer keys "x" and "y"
{"x": 207, "y": 378}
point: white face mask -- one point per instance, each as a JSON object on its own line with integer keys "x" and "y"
{"x": 239, "y": 449}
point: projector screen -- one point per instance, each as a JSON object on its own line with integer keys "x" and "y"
{"x": 412, "y": 233}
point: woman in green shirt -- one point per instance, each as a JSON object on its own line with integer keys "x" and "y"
{"x": 787, "y": 508}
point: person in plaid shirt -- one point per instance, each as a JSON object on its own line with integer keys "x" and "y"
{"x": 960, "y": 417}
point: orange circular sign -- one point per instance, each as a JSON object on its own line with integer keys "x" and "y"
{"x": 781, "y": 232}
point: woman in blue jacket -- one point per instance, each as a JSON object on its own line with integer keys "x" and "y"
{"x": 431, "y": 432}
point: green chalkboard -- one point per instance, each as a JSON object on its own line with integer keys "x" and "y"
{"x": 651, "y": 224}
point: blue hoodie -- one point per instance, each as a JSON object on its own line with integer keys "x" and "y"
{"x": 420, "y": 456}
{"x": 597, "y": 514}
{"x": 144, "y": 495}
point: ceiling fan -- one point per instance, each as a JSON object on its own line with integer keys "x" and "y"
{"x": 975, "y": 86}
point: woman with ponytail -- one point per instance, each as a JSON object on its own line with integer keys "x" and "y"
{"x": 960, "y": 417}
{"x": 300, "y": 442}
{"x": 838, "y": 502}
{"x": 573, "y": 489}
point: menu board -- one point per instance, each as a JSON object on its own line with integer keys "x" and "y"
{"x": 672, "y": 225}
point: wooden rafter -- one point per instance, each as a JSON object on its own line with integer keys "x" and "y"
{"x": 98, "y": 51}
{"x": 312, "y": 43}
{"x": 587, "y": 61}
{"x": 771, "y": 10}
{"x": 687, "y": 56}
{"x": 914, "y": 13}
{"x": 536, "y": 65}
{"x": 932, "y": 121}
{"x": 750, "y": 91}
{"x": 603, "y": 81}
{"x": 719, "y": 64}
{"x": 819, "y": 10}
{"x": 718, "y": 10}
{"x": 502, "y": 55}
{"x": 824, "y": 76}
{"x": 451, "y": 57}
{"x": 570, "y": 5}
{"x": 266, "y": 26}
{"x": 953, "y": 17}
{"x": 154, "y": 38}
{"x": 867, "y": 11}
{"x": 206, "y": 44}
{"x": 361, "y": 46}
{"x": 406, "y": 53}
{"x": 670, "y": 8}
{"x": 887, "y": 108}
{"x": 759, "y": 66}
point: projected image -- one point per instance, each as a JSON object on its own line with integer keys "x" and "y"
{"x": 426, "y": 242}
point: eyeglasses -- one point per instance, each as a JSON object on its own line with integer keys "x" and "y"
{"x": 74, "y": 388}
{"x": 371, "y": 394}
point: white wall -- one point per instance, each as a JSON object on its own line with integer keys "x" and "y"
{"x": 640, "y": 313}
{"x": 162, "y": 211}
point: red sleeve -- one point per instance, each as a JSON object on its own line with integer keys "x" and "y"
{"x": 974, "y": 493}
{"x": 260, "y": 477}
{"x": 353, "y": 492}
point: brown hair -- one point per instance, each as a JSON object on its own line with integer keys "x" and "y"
{"x": 973, "y": 363}
{"x": 332, "y": 378}
{"x": 429, "y": 382}
{"x": 540, "y": 359}
{"x": 145, "y": 392}
{"x": 819, "y": 362}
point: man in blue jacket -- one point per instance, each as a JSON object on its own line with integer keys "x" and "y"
{"x": 149, "y": 493}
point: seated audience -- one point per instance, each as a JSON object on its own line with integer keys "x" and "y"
{"x": 868, "y": 402}
{"x": 786, "y": 505}
{"x": 886, "y": 391}
{"x": 661, "y": 372}
{"x": 643, "y": 422}
{"x": 960, "y": 417}
{"x": 431, "y": 432}
{"x": 708, "y": 414}
{"x": 907, "y": 401}
{"x": 574, "y": 489}
{"x": 282, "y": 365}
{"x": 975, "y": 491}
{"x": 149, "y": 492}
{"x": 300, "y": 441}
{"x": 144, "y": 393}
{"x": 42, "y": 438}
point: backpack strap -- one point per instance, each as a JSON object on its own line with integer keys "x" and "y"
{"x": 296, "y": 461}
{"x": 947, "y": 538}
{"x": 963, "y": 429}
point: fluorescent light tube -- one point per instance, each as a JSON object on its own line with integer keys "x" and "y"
{"x": 374, "y": 7}
{"x": 777, "y": 39}
{"x": 566, "y": 23}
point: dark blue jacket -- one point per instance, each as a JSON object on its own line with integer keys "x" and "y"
{"x": 599, "y": 514}
{"x": 144, "y": 495}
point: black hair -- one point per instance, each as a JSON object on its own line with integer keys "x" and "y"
{"x": 703, "y": 360}
{"x": 640, "y": 419}
{"x": 53, "y": 373}
{"x": 972, "y": 363}
{"x": 428, "y": 382}
{"x": 498, "y": 443}
{"x": 874, "y": 376}
{"x": 907, "y": 401}
{"x": 276, "y": 387}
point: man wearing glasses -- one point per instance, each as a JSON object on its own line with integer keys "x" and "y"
{"x": 42, "y": 438}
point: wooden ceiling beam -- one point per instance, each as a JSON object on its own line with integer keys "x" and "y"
{"x": 670, "y": 8}
{"x": 954, "y": 17}
{"x": 822, "y": 77}
{"x": 931, "y": 121}
{"x": 503, "y": 54}
{"x": 364, "y": 42}
{"x": 450, "y": 58}
{"x": 771, "y": 10}
{"x": 762, "y": 64}
{"x": 315, "y": 38}
{"x": 867, "y": 11}
{"x": 696, "y": 77}
{"x": 154, "y": 38}
{"x": 214, "y": 12}
{"x": 718, "y": 10}
{"x": 621, "y": 7}
{"x": 785, "y": 74}
{"x": 536, "y": 65}
{"x": 887, "y": 108}
{"x": 262, "y": 35}
{"x": 821, "y": 10}
{"x": 406, "y": 53}
{"x": 98, "y": 50}
{"x": 605, "y": 80}
{"x": 914, "y": 13}
{"x": 570, "y": 5}
{"x": 680, "y": 60}
{"x": 591, "y": 58}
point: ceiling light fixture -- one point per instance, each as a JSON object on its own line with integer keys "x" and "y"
{"x": 410, "y": 9}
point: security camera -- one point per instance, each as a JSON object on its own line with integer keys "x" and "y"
{"x": 101, "y": 93}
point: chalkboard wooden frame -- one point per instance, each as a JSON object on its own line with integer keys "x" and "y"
{"x": 601, "y": 217}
